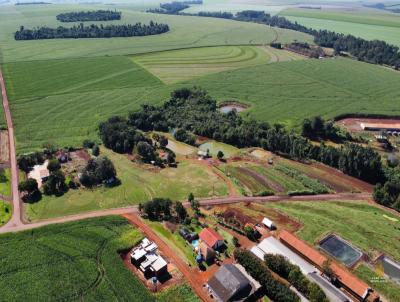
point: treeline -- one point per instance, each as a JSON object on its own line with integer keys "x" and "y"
{"x": 196, "y": 112}
{"x": 91, "y": 31}
{"x": 173, "y": 8}
{"x": 98, "y": 15}
{"x": 288, "y": 271}
{"x": 274, "y": 289}
{"x": 388, "y": 193}
{"x": 375, "y": 52}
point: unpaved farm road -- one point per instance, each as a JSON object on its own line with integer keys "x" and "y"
{"x": 15, "y": 220}
{"x": 203, "y": 202}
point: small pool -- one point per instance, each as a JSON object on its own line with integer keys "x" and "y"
{"x": 195, "y": 243}
{"x": 340, "y": 249}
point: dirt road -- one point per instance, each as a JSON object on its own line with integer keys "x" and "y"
{"x": 15, "y": 220}
{"x": 189, "y": 273}
{"x": 204, "y": 202}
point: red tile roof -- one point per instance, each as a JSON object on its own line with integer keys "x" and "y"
{"x": 210, "y": 237}
{"x": 345, "y": 277}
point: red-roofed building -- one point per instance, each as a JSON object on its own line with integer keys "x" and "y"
{"x": 351, "y": 283}
{"x": 211, "y": 238}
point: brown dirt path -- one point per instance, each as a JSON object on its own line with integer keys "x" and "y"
{"x": 190, "y": 274}
{"x": 16, "y": 219}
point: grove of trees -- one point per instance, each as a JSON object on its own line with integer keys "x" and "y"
{"x": 98, "y": 171}
{"x": 91, "y": 31}
{"x": 194, "y": 111}
{"x": 98, "y": 15}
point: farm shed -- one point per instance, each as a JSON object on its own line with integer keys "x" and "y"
{"x": 352, "y": 284}
{"x": 211, "y": 238}
{"x": 380, "y": 126}
{"x": 231, "y": 283}
{"x": 268, "y": 223}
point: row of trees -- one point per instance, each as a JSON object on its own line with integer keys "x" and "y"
{"x": 274, "y": 289}
{"x": 174, "y": 8}
{"x": 317, "y": 128}
{"x": 91, "y": 31}
{"x": 195, "y": 111}
{"x": 97, "y": 15}
{"x": 280, "y": 265}
{"x": 388, "y": 193}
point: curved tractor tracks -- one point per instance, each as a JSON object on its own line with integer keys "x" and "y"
{"x": 16, "y": 219}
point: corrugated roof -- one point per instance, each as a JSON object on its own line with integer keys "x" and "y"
{"x": 210, "y": 237}
{"x": 346, "y": 278}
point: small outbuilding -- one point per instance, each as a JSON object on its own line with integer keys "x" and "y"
{"x": 268, "y": 223}
{"x": 207, "y": 252}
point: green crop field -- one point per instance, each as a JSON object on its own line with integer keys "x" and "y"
{"x": 365, "y": 23}
{"x": 76, "y": 261}
{"x": 179, "y": 65}
{"x": 360, "y": 223}
{"x": 5, "y": 212}
{"x": 65, "y": 109}
{"x": 137, "y": 185}
{"x": 289, "y": 183}
{"x": 186, "y": 32}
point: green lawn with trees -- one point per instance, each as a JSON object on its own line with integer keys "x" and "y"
{"x": 138, "y": 184}
{"x": 5, "y": 212}
{"x": 77, "y": 261}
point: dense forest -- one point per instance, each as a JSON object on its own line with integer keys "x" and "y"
{"x": 98, "y": 15}
{"x": 375, "y": 52}
{"x": 194, "y": 111}
{"x": 173, "y": 8}
{"x": 92, "y": 31}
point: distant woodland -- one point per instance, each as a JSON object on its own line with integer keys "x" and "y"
{"x": 91, "y": 31}
{"x": 98, "y": 15}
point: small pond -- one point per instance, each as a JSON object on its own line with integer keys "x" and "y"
{"x": 226, "y": 108}
{"x": 340, "y": 249}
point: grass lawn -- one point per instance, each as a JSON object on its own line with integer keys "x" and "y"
{"x": 365, "y": 23}
{"x": 5, "y": 186}
{"x": 174, "y": 240}
{"x": 179, "y": 65}
{"x": 5, "y": 212}
{"x": 137, "y": 185}
{"x": 214, "y": 147}
{"x": 76, "y": 261}
{"x": 390, "y": 290}
{"x": 360, "y": 223}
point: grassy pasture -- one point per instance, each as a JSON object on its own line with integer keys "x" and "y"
{"x": 186, "y": 32}
{"x": 76, "y": 261}
{"x": 214, "y": 147}
{"x": 137, "y": 185}
{"x": 367, "y": 24}
{"x": 5, "y": 212}
{"x": 360, "y": 223}
{"x": 179, "y": 65}
{"x": 5, "y": 186}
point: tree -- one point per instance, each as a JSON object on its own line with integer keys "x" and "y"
{"x": 53, "y": 165}
{"x": 180, "y": 211}
{"x": 55, "y": 184}
{"x": 95, "y": 150}
{"x": 235, "y": 241}
{"x": 220, "y": 155}
{"x": 88, "y": 144}
{"x": 97, "y": 171}
{"x": 195, "y": 207}
{"x": 30, "y": 188}
{"x": 190, "y": 197}
{"x": 146, "y": 151}
{"x": 327, "y": 270}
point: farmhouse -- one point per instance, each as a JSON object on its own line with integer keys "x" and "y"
{"x": 232, "y": 283}
{"x": 380, "y": 126}
{"x": 211, "y": 238}
{"x": 352, "y": 284}
{"x": 145, "y": 257}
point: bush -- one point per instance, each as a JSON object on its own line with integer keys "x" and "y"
{"x": 264, "y": 193}
{"x": 53, "y": 165}
{"x": 301, "y": 192}
{"x": 95, "y": 150}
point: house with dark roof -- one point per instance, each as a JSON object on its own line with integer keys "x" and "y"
{"x": 211, "y": 238}
{"x": 232, "y": 283}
